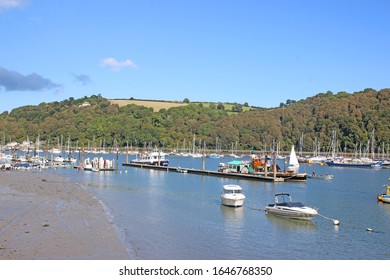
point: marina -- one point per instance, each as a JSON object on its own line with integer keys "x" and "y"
{"x": 178, "y": 215}
{"x": 254, "y": 168}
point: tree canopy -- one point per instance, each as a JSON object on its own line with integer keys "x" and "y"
{"x": 92, "y": 120}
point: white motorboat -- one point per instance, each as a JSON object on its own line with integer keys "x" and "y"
{"x": 285, "y": 207}
{"x": 232, "y": 195}
{"x": 152, "y": 158}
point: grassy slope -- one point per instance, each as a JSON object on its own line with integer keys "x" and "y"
{"x": 157, "y": 105}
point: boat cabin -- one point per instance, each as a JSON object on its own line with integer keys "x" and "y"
{"x": 235, "y": 166}
{"x": 284, "y": 199}
{"x": 232, "y": 189}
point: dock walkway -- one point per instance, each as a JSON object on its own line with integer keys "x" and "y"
{"x": 207, "y": 172}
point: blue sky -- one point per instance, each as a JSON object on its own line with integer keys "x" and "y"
{"x": 255, "y": 51}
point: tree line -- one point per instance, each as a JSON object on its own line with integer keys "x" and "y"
{"x": 306, "y": 123}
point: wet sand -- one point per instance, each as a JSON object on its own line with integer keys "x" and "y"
{"x": 43, "y": 216}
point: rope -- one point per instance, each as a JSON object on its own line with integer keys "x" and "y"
{"x": 325, "y": 217}
{"x": 258, "y": 209}
{"x": 337, "y": 222}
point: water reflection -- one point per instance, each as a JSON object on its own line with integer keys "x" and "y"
{"x": 232, "y": 213}
{"x": 291, "y": 224}
{"x": 233, "y": 227}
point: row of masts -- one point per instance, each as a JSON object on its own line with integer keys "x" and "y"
{"x": 198, "y": 148}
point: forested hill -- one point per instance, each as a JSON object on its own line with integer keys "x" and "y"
{"x": 94, "y": 120}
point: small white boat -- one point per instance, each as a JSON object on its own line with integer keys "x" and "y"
{"x": 232, "y": 195}
{"x": 181, "y": 170}
{"x": 59, "y": 159}
{"x": 320, "y": 177}
{"x": 285, "y": 207}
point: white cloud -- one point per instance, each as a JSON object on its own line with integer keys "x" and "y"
{"x": 9, "y": 4}
{"x": 115, "y": 65}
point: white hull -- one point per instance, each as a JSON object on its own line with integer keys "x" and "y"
{"x": 88, "y": 167}
{"x": 232, "y": 201}
{"x": 153, "y": 158}
{"x": 321, "y": 177}
{"x": 151, "y": 162}
{"x": 286, "y": 208}
{"x": 300, "y": 214}
{"x": 386, "y": 198}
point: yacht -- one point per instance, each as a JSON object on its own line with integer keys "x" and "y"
{"x": 232, "y": 195}
{"x": 285, "y": 207}
{"x": 152, "y": 158}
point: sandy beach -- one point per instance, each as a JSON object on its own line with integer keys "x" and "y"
{"x": 43, "y": 216}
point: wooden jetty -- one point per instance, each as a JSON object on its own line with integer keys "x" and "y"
{"x": 208, "y": 172}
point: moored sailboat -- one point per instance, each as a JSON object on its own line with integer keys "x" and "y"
{"x": 293, "y": 164}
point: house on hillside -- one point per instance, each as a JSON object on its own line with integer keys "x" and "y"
{"x": 85, "y": 104}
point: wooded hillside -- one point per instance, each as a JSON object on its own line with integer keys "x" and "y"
{"x": 91, "y": 121}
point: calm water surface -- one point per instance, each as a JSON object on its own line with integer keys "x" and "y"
{"x": 169, "y": 215}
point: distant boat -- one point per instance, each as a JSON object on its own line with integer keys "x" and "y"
{"x": 181, "y": 170}
{"x": 317, "y": 159}
{"x": 320, "y": 177}
{"x": 214, "y": 155}
{"x": 59, "y": 159}
{"x": 98, "y": 164}
{"x": 293, "y": 164}
{"x": 55, "y": 151}
{"x": 354, "y": 162}
{"x": 386, "y": 196}
{"x": 152, "y": 158}
{"x": 70, "y": 159}
{"x": 88, "y": 165}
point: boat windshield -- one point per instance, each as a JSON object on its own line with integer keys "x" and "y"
{"x": 282, "y": 198}
{"x": 232, "y": 191}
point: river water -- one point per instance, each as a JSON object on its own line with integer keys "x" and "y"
{"x": 176, "y": 216}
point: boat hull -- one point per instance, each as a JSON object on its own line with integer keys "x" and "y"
{"x": 287, "y": 176}
{"x": 350, "y": 164}
{"x": 321, "y": 177}
{"x": 148, "y": 162}
{"x": 236, "y": 201}
{"x": 299, "y": 214}
{"x": 384, "y": 198}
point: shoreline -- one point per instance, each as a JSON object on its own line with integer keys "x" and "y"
{"x": 43, "y": 216}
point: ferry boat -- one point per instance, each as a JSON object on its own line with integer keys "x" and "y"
{"x": 151, "y": 158}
